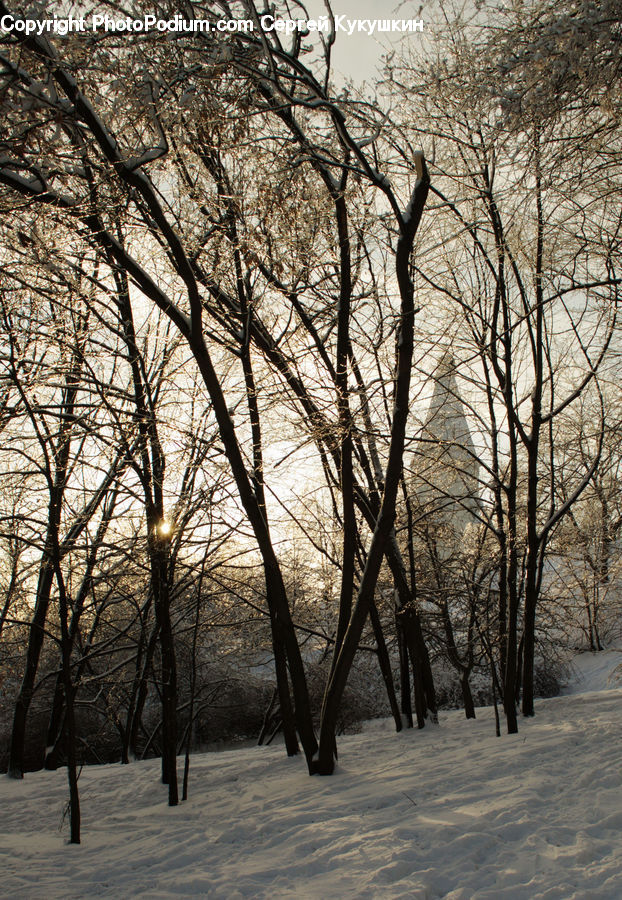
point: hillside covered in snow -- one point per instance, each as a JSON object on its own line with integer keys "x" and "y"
{"x": 448, "y": 812}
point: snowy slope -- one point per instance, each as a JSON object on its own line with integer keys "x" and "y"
{"x": 449, "y": 812}
{"x": 590, "y": 672}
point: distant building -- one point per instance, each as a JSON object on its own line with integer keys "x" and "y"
{"x": 446, "y": 467}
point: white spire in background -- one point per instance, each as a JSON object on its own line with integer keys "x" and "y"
{"x": 447, "y": 462}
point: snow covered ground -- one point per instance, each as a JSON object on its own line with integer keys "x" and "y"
{"x": 448, "y": 812}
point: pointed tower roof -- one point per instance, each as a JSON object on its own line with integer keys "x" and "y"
{"x": 448, "y": 463}
{"x": 446, "y": 420}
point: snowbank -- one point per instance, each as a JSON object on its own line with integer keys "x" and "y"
{"x": 598, "y": 671}
{"x": 450, "y": 812}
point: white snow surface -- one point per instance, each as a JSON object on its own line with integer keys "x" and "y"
{"x": 590, "y": 672}
{"x": 447, "y": 812}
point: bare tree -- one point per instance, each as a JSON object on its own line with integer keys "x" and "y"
{"x": 96, "y": 148}
{"x": 535, "y": 280}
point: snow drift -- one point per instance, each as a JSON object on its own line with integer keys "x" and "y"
{"x": 449, "y": 812}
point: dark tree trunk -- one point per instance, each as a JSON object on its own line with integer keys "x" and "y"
{"x": 512, "y": 680}
{"x": 70, "y": 694}
{"x": 423, "y": 679}
{"x": 55, "y": 725}
{"x": 286, "y": 711}
{"x": 346, "y": 476}
{"x": 384, "y": 524}
{"x": 529, "y": 643}
{"x": 494, "y": 702}
{"x": 275, "y": 588}
{"x": 385, "y": 666}
{"x": 138, "y": 697}
{"x": 418, "y": 687}
{"x": 159, "y": 577}
{"x": 72, "y": 768}
{"x": 278, "y": 645}
{"x": 519, "y": 670}
{"x": 532, "y": 445}
{"x": 51, "y": 557}
{"x": 33, "y": 653}
{"x": 268, "y": 717}
{"x": 467, "y": 696}
{"x": 406, "y": 704}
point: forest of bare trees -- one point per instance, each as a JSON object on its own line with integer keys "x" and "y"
{"x": 303, "y": 388}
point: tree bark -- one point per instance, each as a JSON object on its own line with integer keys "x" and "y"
{"x": 386, "y": 517}
{"x": 467, "y": 696}
{"x": 385, "y": 666}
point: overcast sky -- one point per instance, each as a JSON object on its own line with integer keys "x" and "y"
{"x": 357, "y": 56}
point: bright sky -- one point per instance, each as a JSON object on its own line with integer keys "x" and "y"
{"x": 358, "y": 56}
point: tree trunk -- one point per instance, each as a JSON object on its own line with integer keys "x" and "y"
{"x": 159, "y": 576}
{"x": 285, "y": 703}
{"x": 70, "y": 694}
{"x": 511, "y": 682}
{"x": 56, "y": 726}
{"x": 532, "y": 445}
{"x": 406, "y": 704}
{"x": 56, "y": 716}
{"x": 33, "y": 653}
{"x": 529, "y": 643}
{"x": 467, "y": 696}
{"x": 268, "y": 717}
{"x": 138, "y": 697}
{"x": 275, "y": 588}
{"x": 386, "y": 517}
{"x": 423, "y": 678}
{"x": 385, "y": 666}
{"x": 72, "y": 767}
